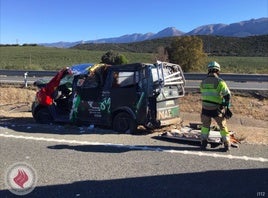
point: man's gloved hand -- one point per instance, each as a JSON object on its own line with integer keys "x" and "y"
{"x": 226, "y": 101}
{"x": 228, "y": 113}
{"x": 226, "y": 104}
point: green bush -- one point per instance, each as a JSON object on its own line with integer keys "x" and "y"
{"x": 113, "y": 58}
{"x": 188, "y": 52}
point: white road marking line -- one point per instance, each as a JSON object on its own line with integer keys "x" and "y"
{"x": 134, "y": 147}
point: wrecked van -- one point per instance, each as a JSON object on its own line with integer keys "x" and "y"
{"x": 120, "y": 97}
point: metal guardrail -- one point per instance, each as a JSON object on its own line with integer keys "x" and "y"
{"x": 231, "y": 77}
{"x": 32, "y": 73}
{"x": 188, "y": 76}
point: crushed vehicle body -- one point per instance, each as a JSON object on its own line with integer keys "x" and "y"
{"x": 117, "y": 96}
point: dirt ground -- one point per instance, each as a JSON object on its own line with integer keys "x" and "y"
{"x": 250, "y": 120}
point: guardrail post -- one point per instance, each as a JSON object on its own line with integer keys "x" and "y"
{"x": 25, "y": 79}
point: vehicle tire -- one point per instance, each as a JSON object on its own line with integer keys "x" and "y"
{"x": 124, "y": 123}
{"x": 32, "y": 109}
{"x": 43, "y": 116}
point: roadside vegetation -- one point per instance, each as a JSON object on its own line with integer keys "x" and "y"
{"x": 187, "y": 52}
{"x": 212, "y": 45}
{"x": 47, "y": 58}
{"x": 236, "y": 55}
{"x": 242, "y": 65}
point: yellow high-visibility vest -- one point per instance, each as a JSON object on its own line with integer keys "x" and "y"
{"x": 212, "y": 91}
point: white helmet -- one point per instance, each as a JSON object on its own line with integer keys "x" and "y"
{"x": 214, "y": 65}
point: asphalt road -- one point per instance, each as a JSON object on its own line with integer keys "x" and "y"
{"x": 82, "y": 162}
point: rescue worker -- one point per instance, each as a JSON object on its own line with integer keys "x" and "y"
{"x": 215, "y": 98}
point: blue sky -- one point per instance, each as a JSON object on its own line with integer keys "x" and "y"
{"x": 39, "y": 21}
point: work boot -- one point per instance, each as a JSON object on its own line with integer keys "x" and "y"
{"x": 226, "y": 146}
{"x": 204, "y": 144}
{"x": 226, "y": 143}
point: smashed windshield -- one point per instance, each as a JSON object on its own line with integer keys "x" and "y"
{"x": 76, "y": 70}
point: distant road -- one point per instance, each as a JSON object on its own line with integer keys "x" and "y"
{"x": 235, "y": 81}
{"x": 261, "y": 86}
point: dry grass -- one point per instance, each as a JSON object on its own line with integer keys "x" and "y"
{"x": 12, "y": 97}
{"x": 241, "y": 105}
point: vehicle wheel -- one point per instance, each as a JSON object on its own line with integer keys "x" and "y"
{"x": 43, "y": 116}
{"x": 124, "y": 123}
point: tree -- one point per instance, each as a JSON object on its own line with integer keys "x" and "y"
{"x": 162, "y": 54}
{"x": 113, "y": 58}
{"x": 187, "y": 52}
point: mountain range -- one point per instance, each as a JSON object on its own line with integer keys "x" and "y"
{"x": 240, "y": 29}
